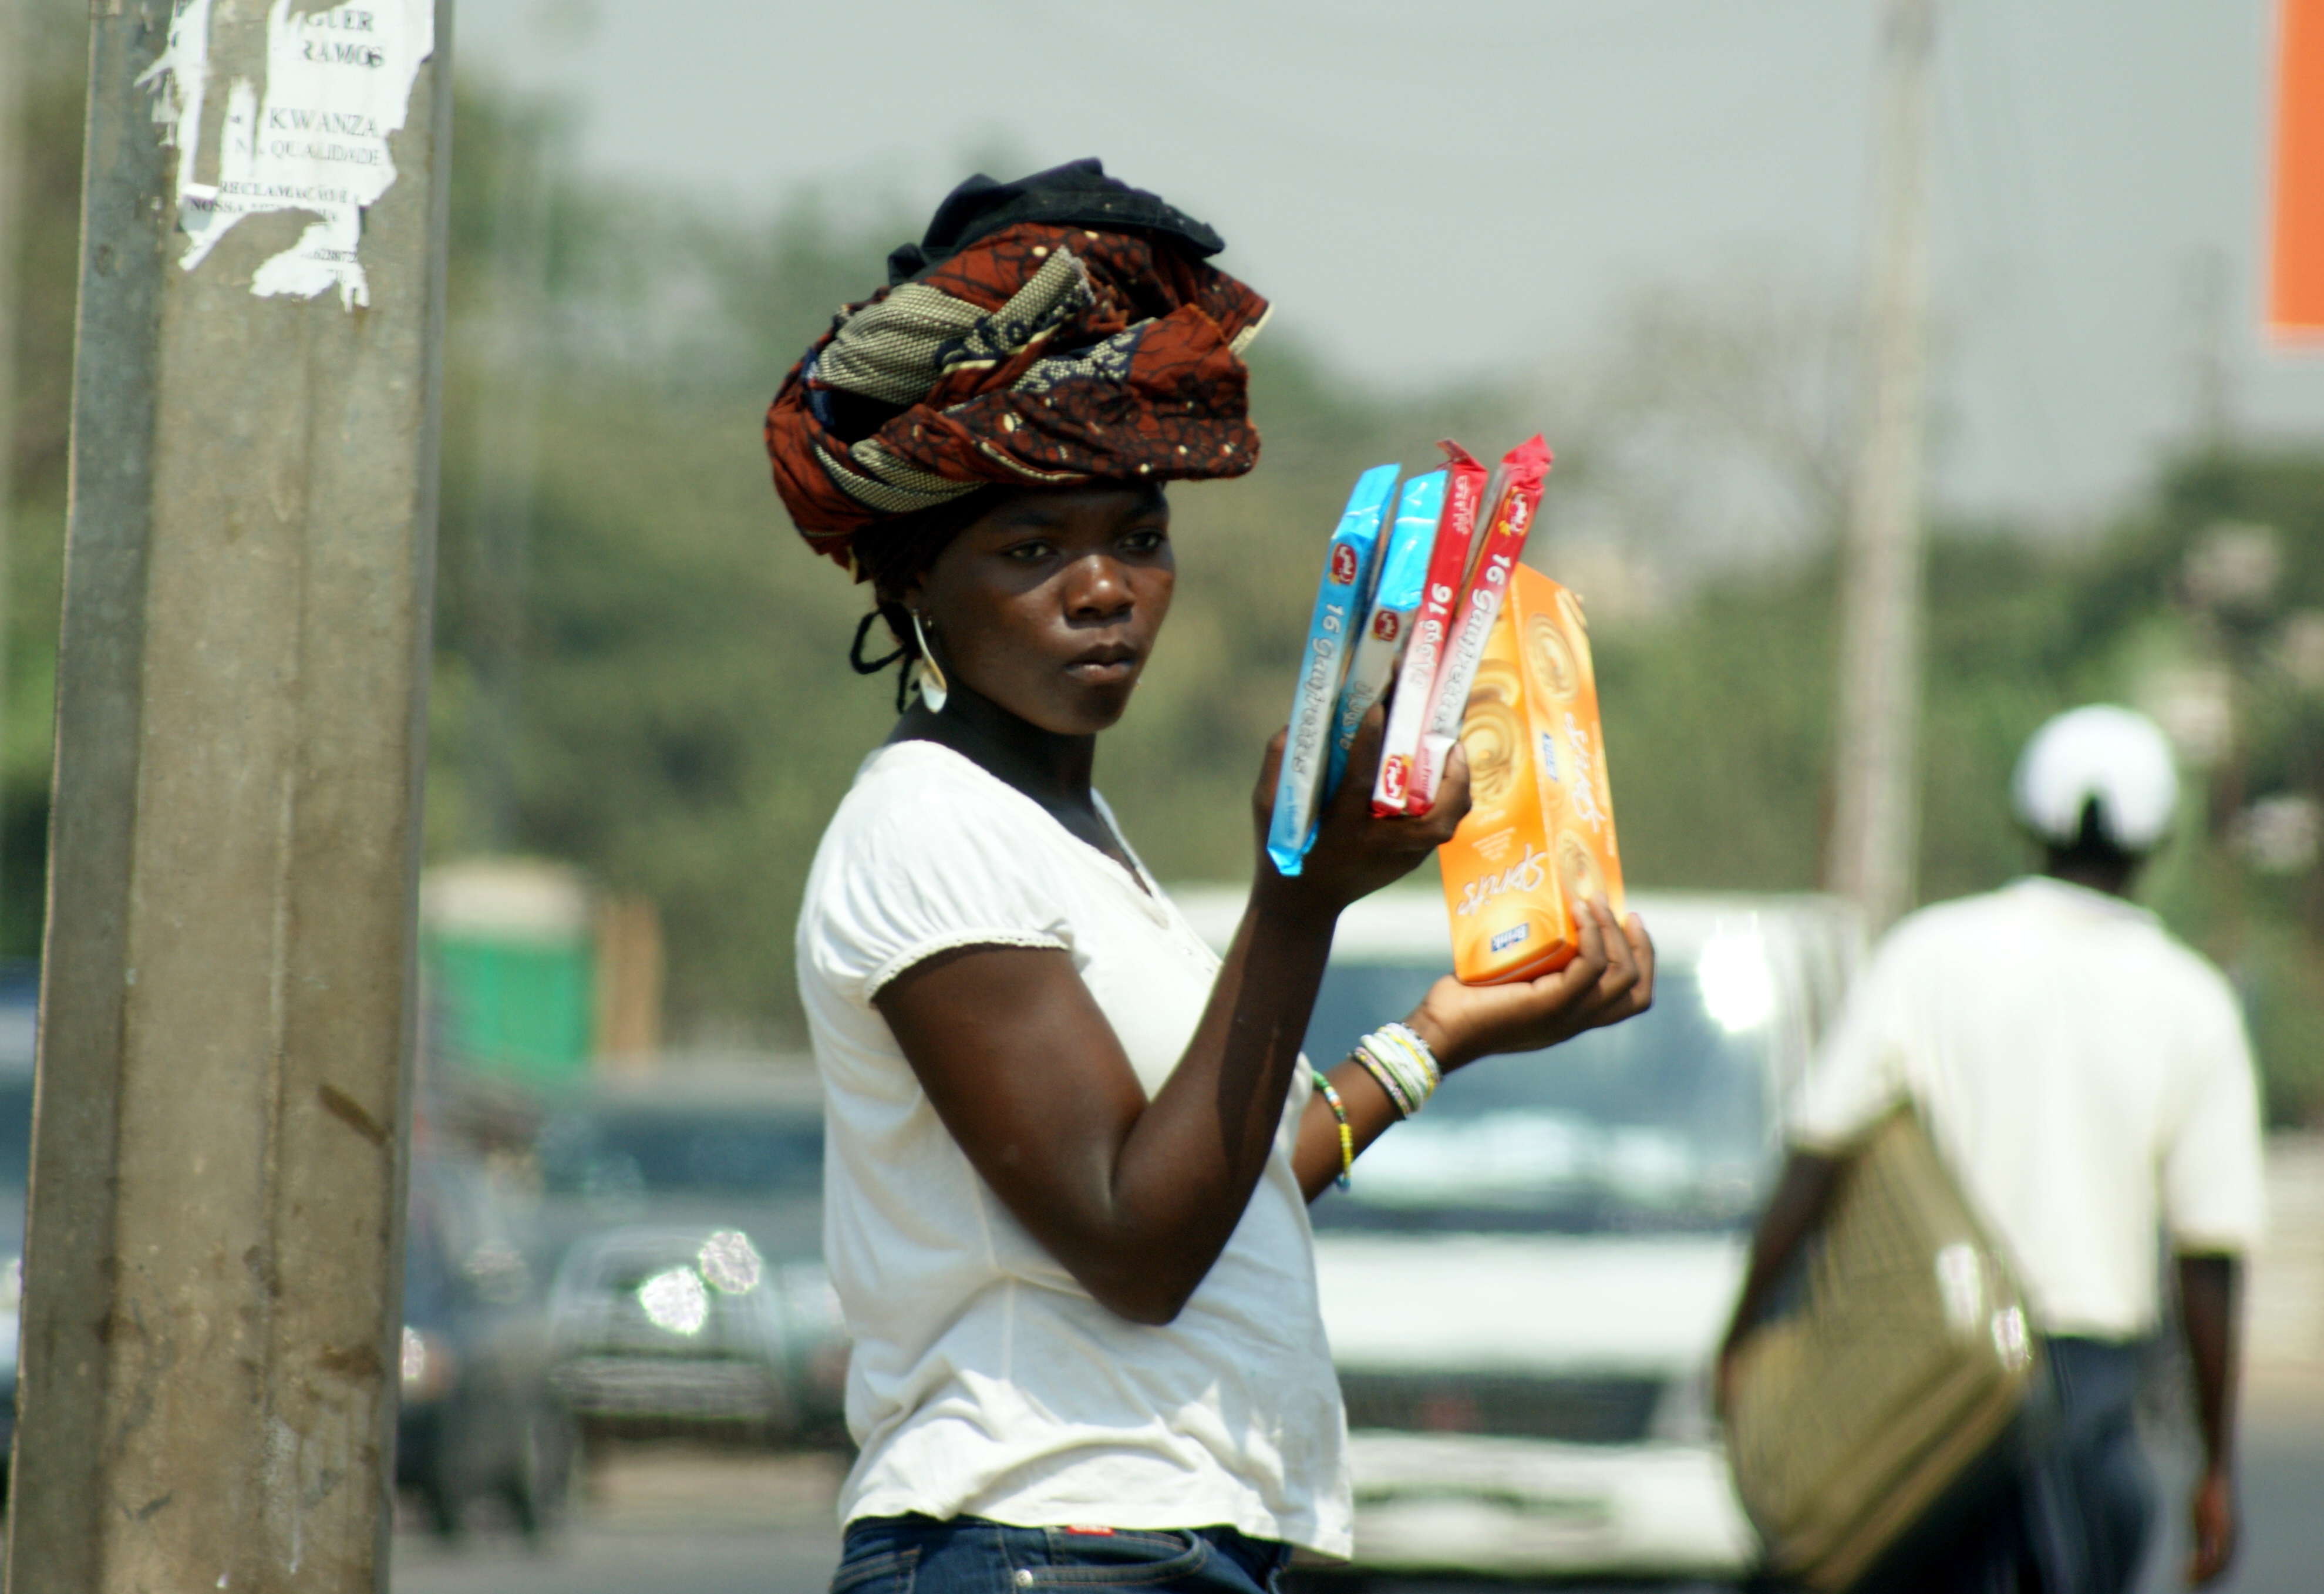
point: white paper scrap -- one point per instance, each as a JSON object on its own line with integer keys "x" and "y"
{"x": 314, "y": 139}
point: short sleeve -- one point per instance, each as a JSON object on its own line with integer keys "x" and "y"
{"x": 912, "y": 872}
{"x": 2213, "y": 1195}
{"x": 1858, "y": 1075}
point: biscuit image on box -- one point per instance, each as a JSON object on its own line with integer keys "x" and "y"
{"x": 1539, "y": 838}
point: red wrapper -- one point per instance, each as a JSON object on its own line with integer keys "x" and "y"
{"x": 1517, "y": 496}
{"x": 1448, "y": 568}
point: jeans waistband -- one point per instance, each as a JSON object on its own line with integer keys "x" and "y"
{"x": 1259, "y": 1559}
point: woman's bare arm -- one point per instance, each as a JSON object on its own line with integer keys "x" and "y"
{"x": 1138, "y": 1198}
{"x": 1134, "y": 1197}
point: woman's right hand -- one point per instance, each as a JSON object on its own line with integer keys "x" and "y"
{"x": 1356, "y": 851}
{"x": 1610, "y": 978}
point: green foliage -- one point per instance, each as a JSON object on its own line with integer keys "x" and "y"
{"x": 1717, "y": 725}
{"x": 686, "y": 712}
{"x": 2265, "y": 925}
{"x": 46, "y": 243}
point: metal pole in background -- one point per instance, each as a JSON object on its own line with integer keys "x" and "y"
{"x": 211, "y": 1336}
{"x": 2210, "y": 288}
{"x": 1875, "y": 820}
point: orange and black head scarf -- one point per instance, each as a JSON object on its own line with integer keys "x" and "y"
{"x": 1062, "y": 329}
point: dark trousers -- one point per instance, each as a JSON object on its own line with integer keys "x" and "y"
{"x": 969, "y": 1555}
{"x": 2072, "y": 1515}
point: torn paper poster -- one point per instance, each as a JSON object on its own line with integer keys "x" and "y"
{"x": 314, "y": 139}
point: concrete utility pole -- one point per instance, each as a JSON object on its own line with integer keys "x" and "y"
{"x": 211, "y": 1331}
{"x": 1875, "y": 822}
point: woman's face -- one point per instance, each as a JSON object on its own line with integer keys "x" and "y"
{"x": 1048, "y": 603}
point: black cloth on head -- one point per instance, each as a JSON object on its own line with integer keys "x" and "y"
{"x": 1076, "y": 194}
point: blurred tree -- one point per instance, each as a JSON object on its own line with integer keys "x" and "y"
{"x": 1721, "y": 418}
{"x": 2205, "y": 607}
{"x": 46, "y": 262}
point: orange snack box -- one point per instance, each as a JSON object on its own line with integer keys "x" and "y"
{"x": 1539, "y": 838}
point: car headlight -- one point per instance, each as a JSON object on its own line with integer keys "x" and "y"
{"x": 427, "y": 1365}
{"x": 675, "y": 1300}
{"x": 729, "y": 1263}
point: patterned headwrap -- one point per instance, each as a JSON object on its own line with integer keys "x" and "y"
{"x": 1061, "y": 328}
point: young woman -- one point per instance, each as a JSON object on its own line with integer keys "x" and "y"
{"x": 1070, "y": 1150}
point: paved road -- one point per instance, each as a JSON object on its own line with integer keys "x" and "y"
{"x": 655, "y": 1520}
{"x": 676, "y": 1522}
{"x": 664, "y": 1560}
{"x": 2284, "y": 1509}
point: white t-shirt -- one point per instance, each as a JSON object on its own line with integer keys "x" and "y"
{"x": 985, "y": 1381}
{"x": 2086, "y": 1076}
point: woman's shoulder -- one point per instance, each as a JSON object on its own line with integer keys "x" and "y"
{"x": 926, "y": 851}
{"x": 915, "y": 794}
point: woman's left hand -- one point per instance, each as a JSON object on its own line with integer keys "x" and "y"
{"x": 1610, "y": 978}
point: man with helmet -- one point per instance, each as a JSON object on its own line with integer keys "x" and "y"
{"x": 2086, "y": 1078}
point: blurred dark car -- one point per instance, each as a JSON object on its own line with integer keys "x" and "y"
{"x": 684, "y": 1216}
{"x": 481, "y": 1419}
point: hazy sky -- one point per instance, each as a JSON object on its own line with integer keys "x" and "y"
{"x": 1432, "y": 192}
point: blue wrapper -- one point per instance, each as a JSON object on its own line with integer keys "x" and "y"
{"x": 1403, "y": 574}
{"x": 1339, "y": 601}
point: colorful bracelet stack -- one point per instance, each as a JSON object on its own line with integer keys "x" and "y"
{"x": 1339, "y": 1114}
{"x": 1403, "y": 1064}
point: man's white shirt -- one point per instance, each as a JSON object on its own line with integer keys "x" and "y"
{"x": 2086, "y": 1076}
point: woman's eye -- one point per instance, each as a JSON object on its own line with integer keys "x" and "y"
{"x": 1146, "y": 542}
{"x": 1028, "y": 553}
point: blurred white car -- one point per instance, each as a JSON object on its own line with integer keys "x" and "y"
{"x": 683, "y": 1217}
{"x": 669, "y": 1326}
{"x": 1525, "y": 1286}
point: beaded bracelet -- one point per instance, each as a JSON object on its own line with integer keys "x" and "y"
{"x": 1340, "y": 1112}
{"x": 1406, "y": 1070}
{"x": 1391, "y": 1086}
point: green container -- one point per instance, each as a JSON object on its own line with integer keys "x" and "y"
{"x": 513, "y": 1006}
{"x": 510, "y": 956}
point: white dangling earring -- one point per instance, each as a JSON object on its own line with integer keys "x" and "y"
{"x": 925, "y": 674}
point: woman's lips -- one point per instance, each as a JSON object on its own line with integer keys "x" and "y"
{"x": 1103, "y": 666}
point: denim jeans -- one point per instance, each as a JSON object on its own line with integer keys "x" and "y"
{"x": 2075, "y": 1518}
{"x": 969, "y": 1555}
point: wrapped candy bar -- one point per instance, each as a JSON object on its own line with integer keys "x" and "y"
{"x": 1339, "y": 600}
{"x": 1402, "y": 567}
{"x": 1518, "y": 494}
{"x": 1448, "y": 567}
